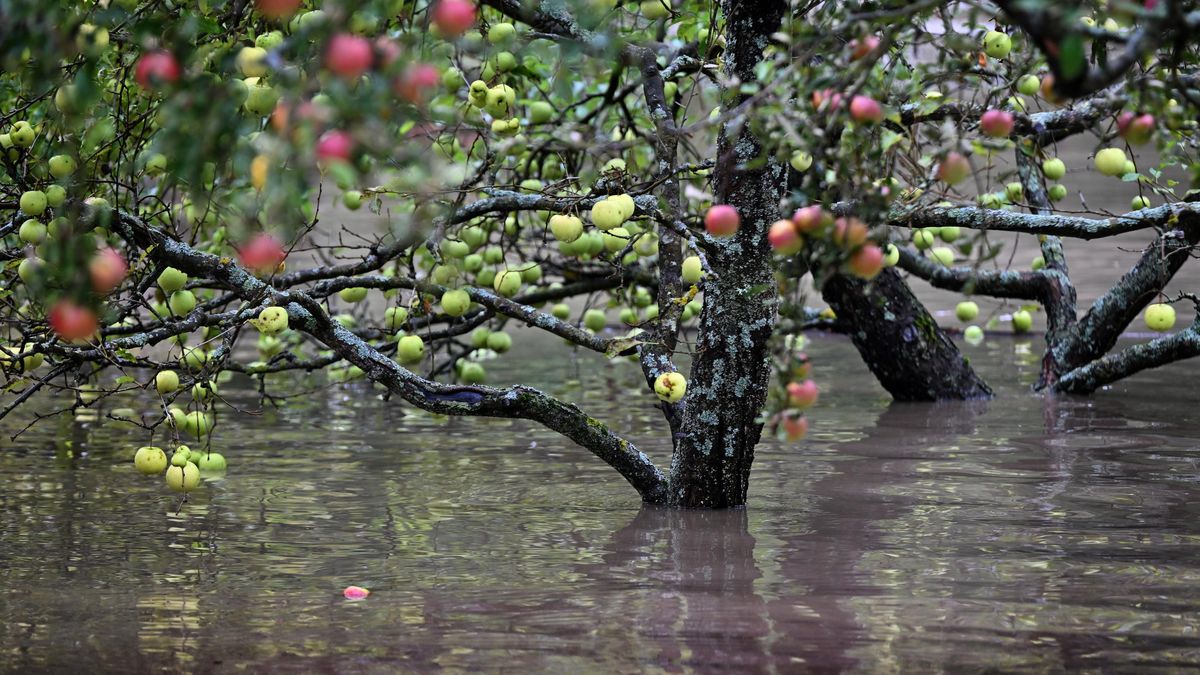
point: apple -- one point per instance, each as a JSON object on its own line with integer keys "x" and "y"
{"x": 802, "y": 395}
{"x": 1022, "y": 321}
{"x": 394, "y": 318}
{"x": 1159, "y": 317}
{"x": 501, "y": 33}
{"x": 166, "y": 382}
{"x": 507, "y": 282}
{"x": 204, "y": 391}
{"x": 615, "y": 239}
{"x": 181, "y": 302}
{"x": 996, "y": 123}
{"x": 33, "y": 202}
{"x": 566, "y": 228}
{"x": 56, "y": 195}
{"x": 656, "y": 9}
{"x": 923, "y": 238}
{"x": 183, "y": 478}
{"x": 784, "y": 238}
{"x": 171, "y": 280}
{"x": 1014, "y": 191}
{"x": 809, "y": 219}
{"x": 966, "y": 310}
{"x": 997, "y": 45}
{"x": 252, "y": 61}
{"x": 595, "y": 320}
{"x": 867, "y": 262}
{"x": 410, "y": 349}
{"x": 1111, "y": 161}
{"x": 150, "y": 460}
{"x": 353, "y": 294}
{"x": 198, "y": 423}
{"x": 263, "y": 254}
{"x": 722, "y": 220}
{"x": 1137, "y": 129}
{"x": 415, "y": 83}
{"x": 28, "y": 268}
{"x": 155, "y": 69}
{"x": 194, "y": 358}
{"x": 334, "y": 145}
{"x": 561, "y": 311}
{"x": 32, "y": 232}
{"x": 801, "y": 160}
{"x": 1029, "y": 85}
{"x": 499, "y": 342}
{"x": 261, "y": 98}
{"x": 942, "y": 254}
{"x": 62, "y": 166}
{"x": 948, "y": 233}
{"x": 107, "y": 269}
{"x": 269, "y": 40}
{"x": 670, "y": 387}
{"x": 891, "y": 255}
{"x": 861, "y": 47}
{"x": 973, "y": 335}
{"x": 691, "y": 269}
{"x": 22, "y": 134}
{"x": 540, "y": 112}
{"x": 71, "y": 321}
{"x": 795, "y": 427}
{"x": 628, "y": 207}
{"x": 348, "y": 55}
{"x": 211, "y": 462}
{"x": 456, "y": 302}
{"x": 954, "y": 169}
{"x": 1057, "y": 192}
{"x": 453, "y": 17}
{"x": 273, "y": 320}
{"x": 865, "y": 110}
{"x": 1054, "y": 169}
{"x": 607, "y": 214}
{"x": 277, "y": 9}
{"x": 1140, "y": 202}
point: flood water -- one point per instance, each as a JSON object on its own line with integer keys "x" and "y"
{"x": 1023, "y": 533}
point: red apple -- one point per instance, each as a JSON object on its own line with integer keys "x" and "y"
{"x": 334, "y": 145}
{"x": 849, "y": 233}
{"x": 349, "y": 55}
{"x": 262, "y": 254}
{"x": 867, "y": 262}
{"x": 808, "y": 219}
{"x": 417, "y": 79}
{"x": 277, "y": 9}
{"x": 801, "y": 395}
{"x": 722, "y": 220}
{"x": 954, "y": 168}
{"x": 784, "y": 238}
{"x": 866, "y": 110}
{"x": 1135, "y": 128}
{"x": 795, "y": 427}
{"x": 454, "y": 17}
{"x": 860, "y": 47}
{"x": 71, "y": 321}
{"x": 387, "y": 49}
{"x": 108, "y": 269}
{"x": 996, "y": 123}
{"x": 155, "y": 69}
{"x": 823, "y": 96}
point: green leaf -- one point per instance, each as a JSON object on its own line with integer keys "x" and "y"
{"x": 125, "y": 379}
{"x": 1071, "y": 61}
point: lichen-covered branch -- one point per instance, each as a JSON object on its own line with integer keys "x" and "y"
{"x": 1087, "y": 379}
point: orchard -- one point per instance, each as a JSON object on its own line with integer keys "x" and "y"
{"x": 686, "y": 186}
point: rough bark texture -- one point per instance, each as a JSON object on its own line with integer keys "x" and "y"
{"x": 728, "y": 385}
{"x": 900, "y": 342}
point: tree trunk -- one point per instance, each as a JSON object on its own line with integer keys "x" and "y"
{"x": 901, "y": 343}
{"x": 731, "y": 371}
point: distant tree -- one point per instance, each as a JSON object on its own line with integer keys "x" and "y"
{"x": 165, "y": 166}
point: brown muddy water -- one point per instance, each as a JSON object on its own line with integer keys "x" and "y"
{"x": 1022, "y": 534}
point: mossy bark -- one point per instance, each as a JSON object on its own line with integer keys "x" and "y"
{"x": 714, "y": 450}
{"x": 900, "y": 342}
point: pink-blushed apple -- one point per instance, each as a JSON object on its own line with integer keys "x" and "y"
{"x": 954, "y": 168}
{"x": 866, "y": 110}
{"x": 808, "y": 219}
{"x": 262, "y": 254}
{"x": 802, "y": 395}
{"x": 107, "y": 269}
{"x": 866, "y": 262}
{"x": 996, "y": 123}
{"x": 348, "y": 55}
{"x": 454, "y": 17}
{"x": 722, "y": 220}
{"x": 335, "y": 145}
{"x": 784, "y": 238}
{"x": 71, "y": 321}
{"x": 155, "y": 69}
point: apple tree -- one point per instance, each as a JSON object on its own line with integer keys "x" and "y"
{"x": 649, "y": 180}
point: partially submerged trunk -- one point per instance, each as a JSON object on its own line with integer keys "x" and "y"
{"x": 731, "y": 371}
{"x": 900, "y": 341}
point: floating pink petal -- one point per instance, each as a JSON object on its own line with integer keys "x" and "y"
{"x": 355, "y": 593}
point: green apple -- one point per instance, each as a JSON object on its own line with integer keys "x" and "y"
{"x": 607, "y": 214}
{"x": 211, "y": 462}
{"x": 354, "y": 294}
{"x": 615, "y": 239}
{"x": 166, "y": 382}
{"x": 1022, "y": 321}
{"x": 670, "y": 387}
{"x": 973, "y": 335}
{"x": 472, "y": 373}
{"x": 352, "y": 199}
{"x": 1057, "y": 192}
{"x": 56, "y": 195}
{"x": 561, "y": 311}
{"x": 942, "y": 254}
{"x": 33, "y": 203}
{"x": 150, "y": 460}
{"x": 540, "y": 112}
{"x": 171, "y": 280}
{"x": 1029, "y": 85}
{"x": 1054, "y": 168}
{"x": 801, "y": 160}
{"x": 22, "y": 134}
{"x": 1111, "y": 161}
{"x": 456, "y": 302}
{"x": 566, "y": 228}
{"x": 507, "y": 282}
{"x": 1014, "y": 191}
{"x": 594, "y": 319}
{"x": 996, "y": 44}
{"x": 62, "y": 166}
{"x": 948, "y": 233}
{"x": 1159, "y": 317}
{"x": 479, "y": 337}
{"x": 923, "y": 238}
{"x": 891, "y": 256}
{"x": 691, "y": 270}
{"x": 183, "y": 478}
{"x": 966, "y": 310}
{"x": 32, "y": 232}
{"x": 273, "y": 320}
{"x": 410, "y": 349}
{"x": 499, "y": 342}
{"x": 252, "y": 61}
{"x": 28, "y": 268}
{"x": 1139, "y": 202}
{"x": 181, "y": 302}
{"x": 394, "y": 318}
